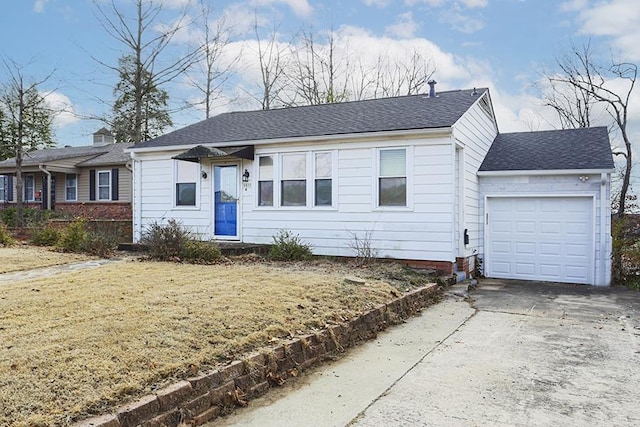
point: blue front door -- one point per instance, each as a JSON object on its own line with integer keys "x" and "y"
{"x": 225, "y": 182}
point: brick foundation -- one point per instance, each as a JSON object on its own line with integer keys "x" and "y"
{"x": 204, "y": 397}
{"x": 96, "y": 210}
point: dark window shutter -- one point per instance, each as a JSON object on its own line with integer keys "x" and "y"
{"x": 92, "y": 184}
{"x": 10, "y": 188}
{"x": 114, "y": 183}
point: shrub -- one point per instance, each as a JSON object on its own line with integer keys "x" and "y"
{"x": 363, "y": 247}
{"x": 165, "y": 242}
{"x": 5, "y": 237}
{"x": 196, "y": 251}
{"x": 32, "y": 216}
{"x": 288, "y": 247}
{"x": 46, "y": 236}
{"x": 74, "y": 237}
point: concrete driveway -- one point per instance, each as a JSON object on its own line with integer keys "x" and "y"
{"x": 515, "y": 354}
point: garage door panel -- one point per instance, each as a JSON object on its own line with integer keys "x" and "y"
{"x": 551, "y": 238}
{"x": 550, "y": 227}
{"x": 551, "y": 249}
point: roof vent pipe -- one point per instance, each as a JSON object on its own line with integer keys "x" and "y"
{"x": 432, "y": 88}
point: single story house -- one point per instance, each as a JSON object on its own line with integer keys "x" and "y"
{"x": 427, "y": 179}
{"x": 91, "y": 181}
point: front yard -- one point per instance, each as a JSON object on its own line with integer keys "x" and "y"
{"x": 77, "y": 344}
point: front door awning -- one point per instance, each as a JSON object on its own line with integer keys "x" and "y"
{"x": 200, "y": 152}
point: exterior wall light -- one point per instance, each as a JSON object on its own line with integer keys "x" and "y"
{"x": 245, "y": 176}
{"x": 204, "y": 175}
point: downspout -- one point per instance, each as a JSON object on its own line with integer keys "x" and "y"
{"x": 131, "y": 166}
{"x": 605, "y": 254}
{"x": 44, "y": 170}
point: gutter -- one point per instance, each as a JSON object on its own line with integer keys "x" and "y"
{"x": 44, "y": 170}
{"x": 546, "y": 172}
{"x": 303, "y": 139}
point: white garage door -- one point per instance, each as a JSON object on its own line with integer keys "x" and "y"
{"x": 540, "y": 238}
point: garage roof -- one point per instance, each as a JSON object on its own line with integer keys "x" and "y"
{"x": 567, "y": 149}
{"x": 373, "y": 115}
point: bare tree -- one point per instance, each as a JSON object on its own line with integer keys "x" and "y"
{"x": 146, "y": 46}
{"x": 26, "y": 122}
{"x": 272, "y": 62}
{"x": 406, "y": 77}
{"x": 574, "y": 107}
{"x": 317, "y": 74}
{"x": 579, "y": 76}
{"x": 209, "y": 74}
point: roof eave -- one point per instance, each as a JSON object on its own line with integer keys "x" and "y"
{"x": 541, "y": 172}
{"x": 304, "y": 139}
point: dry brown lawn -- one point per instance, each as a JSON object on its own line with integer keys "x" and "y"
{"x": 17, "y": 258}
{"x": 81, "y": 343}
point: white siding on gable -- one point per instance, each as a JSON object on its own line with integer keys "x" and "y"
{"x": 474, "y": 132}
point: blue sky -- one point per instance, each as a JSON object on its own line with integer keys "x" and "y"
{"x": 502, "y": 44}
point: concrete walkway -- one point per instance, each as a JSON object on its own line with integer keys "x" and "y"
{"x": 36, "y": 273}
{"x": 522, "y": 354}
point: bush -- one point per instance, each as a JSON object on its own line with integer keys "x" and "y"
{"x": 32, "y": 216}
{"x": 5, "y": 237}
{"x": 196, "y": 251}
{"x": 288, "y": 247}
{"x": 46, "y": 236}
{"x": 74, "y": 237}
{"x": 165, "y": 242}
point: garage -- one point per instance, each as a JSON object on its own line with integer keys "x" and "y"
{"x": 540, "y": 238}
{"x": 546, "y": 199}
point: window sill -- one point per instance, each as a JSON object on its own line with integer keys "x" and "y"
{"x": 392, "y": 209}
{"x": 186, "y": 208}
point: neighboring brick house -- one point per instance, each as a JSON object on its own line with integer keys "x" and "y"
{"x": 90, "y": 181}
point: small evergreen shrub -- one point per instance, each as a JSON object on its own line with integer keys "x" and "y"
{"x": 74, "y": 237}
{"x": 5, "y": 237}
{"x": 196, "y": 251}
{"x": 165, "y": 242}
{"x": 289, "y": 247}
{"x": 46, "y": 236}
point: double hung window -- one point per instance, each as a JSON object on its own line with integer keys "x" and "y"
{"x": 392, "y": 177}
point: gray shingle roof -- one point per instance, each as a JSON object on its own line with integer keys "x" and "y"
{"x": 586, "y": 148}
{"x": 374, "y": 115}
{"x": 89, "y": 155}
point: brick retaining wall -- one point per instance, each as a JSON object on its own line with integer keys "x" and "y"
{"x": 202, "y": 398}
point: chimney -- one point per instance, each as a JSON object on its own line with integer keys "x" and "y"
{"x": 432, "y": 88}
{"x": 103, "y": 137}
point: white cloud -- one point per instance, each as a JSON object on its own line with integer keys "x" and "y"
{"x": 461, "y": 21}
{"x": 62, "y": 107}
{"x": 38, "y": 6}
{"x": 472, "y": 4}
{"x": 377, "y": 3}
{"x": 299, "y": 7}
{"x": 618, "y": 19}
{"x": 404, "y": 27}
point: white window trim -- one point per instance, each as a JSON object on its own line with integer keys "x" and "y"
{"x": 98, "y": 198}
{"x": 274, "y": 180}
{"x": 333, "y": 177}
{"x": 3, "y": 182}
{"x": 24, "y": 188}
{"x": 76, "y": 187}
{"x": 309, "y": 178}
{"x": 376, "y": 175}
{"x": 174, "y": 182}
